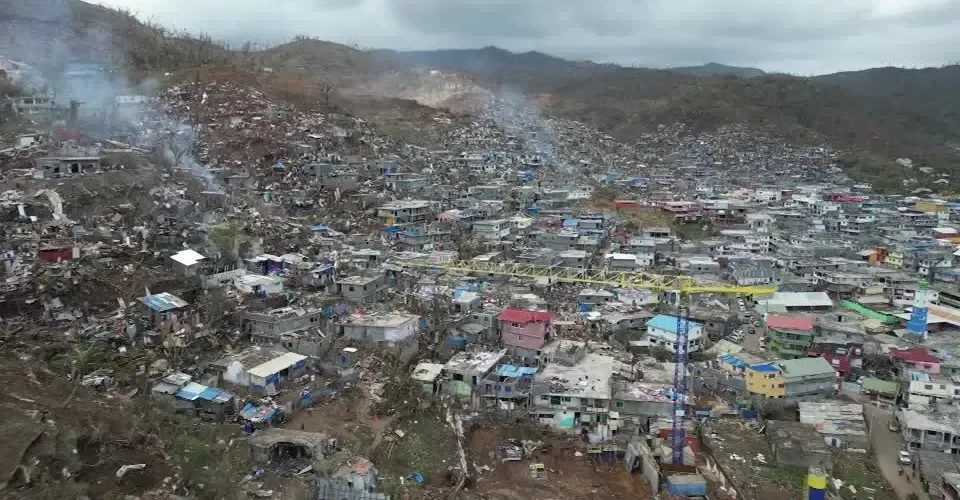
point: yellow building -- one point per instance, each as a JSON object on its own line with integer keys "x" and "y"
{"x": 894, "y": 259}
{"x": 930, "y": 206}
{"x": 766, "y": 380}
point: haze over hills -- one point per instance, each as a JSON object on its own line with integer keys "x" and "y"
{"x": 877, "y": 115}
{"x": 717, "y": 69}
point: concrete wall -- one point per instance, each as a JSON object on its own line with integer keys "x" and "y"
{"x": 219, "y": 279}
{"x": 523, "y": 335}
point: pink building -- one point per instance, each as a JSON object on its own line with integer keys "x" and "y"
{"x": 525, "y": 330}
{"x": 916, "y": 358}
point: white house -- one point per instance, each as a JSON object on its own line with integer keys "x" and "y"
{"x": 662, "y": 332}
{"x": 923, "y": 390}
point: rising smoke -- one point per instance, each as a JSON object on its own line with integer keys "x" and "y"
{"x": 85, "y": 73}
{"x": 513, "y": 112}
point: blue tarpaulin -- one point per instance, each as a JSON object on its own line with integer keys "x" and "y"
{"x": 515, "y": 371}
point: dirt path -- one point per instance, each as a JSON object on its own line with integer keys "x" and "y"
{"x": 886, "y": 446}
{"x": 347, "y": 418}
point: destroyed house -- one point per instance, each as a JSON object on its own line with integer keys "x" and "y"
{"x": 574, "y": 396}
{"x": 54, "y": 165}
{"x": 380, "y": 328}
{"x": 177, "y": 391}
{"x": 164, "y": 306}
{"x": 405, "y": 212}
{"x": 464, "y": 373}
{"x": 269, "y": 327}
{"x": 57, "y": 252}
{"x": 362, "y": 289}
{"x": 508, "y": 386}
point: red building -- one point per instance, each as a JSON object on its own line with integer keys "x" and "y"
{"x": 57, "y": 253}
{"x": 842, "y": 357}
{"x": 525, "y": 331}
{"x": 915, "y": 358}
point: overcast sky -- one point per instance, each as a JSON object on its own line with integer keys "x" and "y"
{"x": 798, "y": 36}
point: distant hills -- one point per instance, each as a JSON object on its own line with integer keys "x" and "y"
{"x": 717, "y": 69}
{"x": 876, "y": 115}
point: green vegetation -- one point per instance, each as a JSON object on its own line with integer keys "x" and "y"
{"x": 790, "y": 479}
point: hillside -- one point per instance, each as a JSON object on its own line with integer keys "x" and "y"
{"x": 876, "y": 115}
{"x": 717, "y": 69}
{"x": 528, "y": 71}
{"x": 929, "y": 90}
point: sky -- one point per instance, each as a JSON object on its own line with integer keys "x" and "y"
{"x": 802, "y": 37}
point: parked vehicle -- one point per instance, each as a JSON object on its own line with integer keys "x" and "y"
{"x": 904, "y": 458}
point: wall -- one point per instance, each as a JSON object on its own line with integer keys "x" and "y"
{"x": 766, "y": 384}
{"x": 527, "y": 336}
{"x": 218, "y": 279}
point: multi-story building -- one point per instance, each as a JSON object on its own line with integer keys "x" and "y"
{"x": 493, "y": 230}
{"x": 662, "y": 332}
{"x": 935, "y": 431}
{"x": 406, "y": 212}
{"x": 524, "y": 332}
{"x": 575, "y": 393}
{"x": 842, "y": 357}
{"x": 790, "y": 336}
{"x": 792, "y": 378}
{"x": 922, "y": 391}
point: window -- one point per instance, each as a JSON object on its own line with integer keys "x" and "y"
{"x": 520, "y": 338}
{"x": 619, "y": 404}
{"x": 565, "y": 399}
{"x": 554, "y": 400}
{"x": 928, "y": 387}
{"x": 781, "y": 386}
{"x": 458, "y": 376}
{"x": 350, "y": 289}
{"x": 544, "y": 398}
{"x": 515, "y": 325}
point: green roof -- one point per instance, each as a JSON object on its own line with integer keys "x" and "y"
{"x": 880, "y": 386}
{"x": 804, "y": 367}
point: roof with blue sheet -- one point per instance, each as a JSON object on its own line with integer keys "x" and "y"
{"x": 515, "y": 371}
{"x": 669, "y": 323}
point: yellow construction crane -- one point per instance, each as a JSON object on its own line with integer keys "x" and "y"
{"x": 598, "y": 277}
{"x": 680, "y": 287}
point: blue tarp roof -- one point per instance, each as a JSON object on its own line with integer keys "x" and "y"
{"x": 515, "y": 371}
{"x": 668, "y": 323}
{"x": 320, "y": 227}
{"x": 191, "y": 391}
{"x": 764, "y": 367}
{"x": 733, "y": 360}
{"x": 571, "y": 223}
{"x": 163, "y": 302}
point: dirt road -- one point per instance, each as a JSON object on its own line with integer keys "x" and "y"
{"x": 886, "y": 446}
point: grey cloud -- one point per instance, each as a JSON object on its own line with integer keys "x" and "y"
{"x": 803, "y": 36}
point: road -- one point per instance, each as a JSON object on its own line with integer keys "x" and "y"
{"x": 886, "y": 446}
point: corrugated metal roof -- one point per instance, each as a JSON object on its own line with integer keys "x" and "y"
{"x": 163, "y": 302}
{"x": 275, "y": 365}
{"x": 798, "y": 323}
{"x": 805, "y": 367}
{"x": 525, "y": 316}
{"x": 669, "y": 323}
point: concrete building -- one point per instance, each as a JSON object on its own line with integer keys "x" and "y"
{"x": 790, "y": 336}
{"x": 662, "y": 332}
{"x": 938, "y": 431}
{"x": 793, "y": 378}
{"x": 575, "y": 396}
{"x": 406, "y": 212}
{"x": 922, "y": 391}
{"x": 463, "y": 375}
{"x": 525, "y": 332}
{"x": 381, "y": 328}
{"x": 362, "y": 289}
